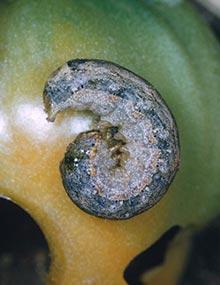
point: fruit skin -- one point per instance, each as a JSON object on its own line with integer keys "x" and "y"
{"x": 180, "y": 58}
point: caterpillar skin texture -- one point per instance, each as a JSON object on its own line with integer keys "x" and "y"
{"x": 124, "y": 165}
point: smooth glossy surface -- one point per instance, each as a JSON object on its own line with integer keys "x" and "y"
{"x": 181, "y": 58}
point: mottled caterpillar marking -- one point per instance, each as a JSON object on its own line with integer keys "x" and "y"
{"x": 125, "y": 164}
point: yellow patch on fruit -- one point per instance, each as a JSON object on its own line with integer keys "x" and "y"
{"x": 38, "y": 36}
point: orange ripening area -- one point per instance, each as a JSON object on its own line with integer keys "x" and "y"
{"x": 83, "y": 247}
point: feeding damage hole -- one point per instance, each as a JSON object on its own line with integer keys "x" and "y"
{"x": 24, "y": 252}
{"x": 151, "y": 257}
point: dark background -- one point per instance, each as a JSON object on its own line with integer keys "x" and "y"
{"x": 24, "y": 252}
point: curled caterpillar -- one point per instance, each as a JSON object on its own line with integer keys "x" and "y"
{"x": 124, "y": 165}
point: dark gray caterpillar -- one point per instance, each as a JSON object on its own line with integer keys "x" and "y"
{"x": 125, "y": 164}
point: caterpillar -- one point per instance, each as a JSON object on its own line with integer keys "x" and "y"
{"x": 125, "y": 164}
